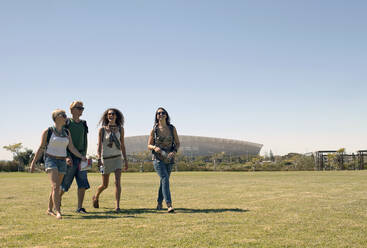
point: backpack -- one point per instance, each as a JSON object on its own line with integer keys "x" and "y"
{"x": 41, "y": 160}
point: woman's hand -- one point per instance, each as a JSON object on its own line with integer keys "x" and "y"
{"x": 171, "y": 155}
{"x": 157, "y": 149}
{"x": 69, "y": 161}
{"x": 31, "y": 168}
{"x": 126, "y": 165}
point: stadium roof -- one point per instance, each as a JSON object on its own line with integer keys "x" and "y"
{"x": 197, "y": 145}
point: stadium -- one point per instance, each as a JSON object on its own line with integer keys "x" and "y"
{"x": 198, "y": 146}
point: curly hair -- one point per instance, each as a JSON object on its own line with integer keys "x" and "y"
{"x": 119, "y": 118}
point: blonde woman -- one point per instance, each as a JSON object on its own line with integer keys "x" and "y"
{"x": 55, "y": 141}
{"x": 111, "y": 148}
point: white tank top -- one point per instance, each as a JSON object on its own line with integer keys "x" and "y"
{"x": 57, "y": 145}
{"x": 110, "y": 151}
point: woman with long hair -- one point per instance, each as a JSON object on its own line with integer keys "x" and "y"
{"x": 163, "y": 142}
{"x": 55, "y": 141}
{"x": 111, "y": 148}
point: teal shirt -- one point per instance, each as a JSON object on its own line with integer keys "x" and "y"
{"x": 78, "y": 135}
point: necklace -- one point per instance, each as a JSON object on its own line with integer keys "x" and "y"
{"x": 112, "y": 128}
{"x": 57, "y": 132}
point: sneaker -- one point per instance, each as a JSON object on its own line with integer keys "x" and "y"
{"x": 159, "y": 206}
{"x": 81, "y": 210}
{"x": 58, "y": 216}
{"x": 171, "y": 210}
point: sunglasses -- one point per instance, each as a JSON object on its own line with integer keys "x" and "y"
{"x": 161, "y": 113}
{"x": 62, "y": 115}
{"x": 79, "y": 108}
{"x": 111, "y": 113}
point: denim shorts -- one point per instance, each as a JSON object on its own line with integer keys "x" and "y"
{"x": 53, "y": 163}
{"x": 73, "y": 171}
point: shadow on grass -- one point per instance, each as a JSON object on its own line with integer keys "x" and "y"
{"x": 177, "y": 210}
{"x": 130, "y": 213}
{"x": 108, "y": 214}
{"x": 104, "y": 215}
{"x": 210, "y": 210}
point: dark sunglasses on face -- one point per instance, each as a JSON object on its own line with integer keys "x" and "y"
{"x": 62, "y": 115}
{"x": 111, "y": 113}
{"x": 79, "y": 108}
{"x": 161, "y": 113}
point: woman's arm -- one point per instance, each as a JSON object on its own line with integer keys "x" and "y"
{"x": 40, "y": 150}
{"x": 177, "y": 140}
{"x": 99, "y": 147}
{"x": 151, "y": 145}
{"x": 177, "y": 143}
{"x": 74, "y": 150}
{"x": 123, "y": 150}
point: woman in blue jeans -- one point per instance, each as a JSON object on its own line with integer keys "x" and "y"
{"x": 164, "y": 143}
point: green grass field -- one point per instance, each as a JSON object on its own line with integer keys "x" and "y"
{"x": 213, "y": 209}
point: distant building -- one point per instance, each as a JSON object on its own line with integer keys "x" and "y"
{"x": 198, "y": 146}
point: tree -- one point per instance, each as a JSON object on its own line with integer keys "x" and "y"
{"x": 14, "y": 148}
{"x": 266, "y": 155}
{"x": 24, "y": 156}
{"x": 340, "y": 158}
{"x": 142, "y": 157}
{"x": 271, "y": 156}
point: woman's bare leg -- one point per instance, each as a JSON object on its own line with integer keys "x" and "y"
{"x": 118, "y": 188}
{"x": 103, "y": 186}
{"x": 56, "y": 179}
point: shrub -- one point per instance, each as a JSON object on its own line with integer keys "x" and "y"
{"x": 10, "y": 166}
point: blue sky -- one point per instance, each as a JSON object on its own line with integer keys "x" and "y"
{"x": 287, "y": 74}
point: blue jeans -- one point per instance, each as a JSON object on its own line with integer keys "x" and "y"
{"x": 53, "y": 163}
{"x": 73, "y": 171}
{"x": 164, "y": 172}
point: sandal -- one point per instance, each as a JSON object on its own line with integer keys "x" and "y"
{"x": 50, "y": 212}
{"x": 95, "y": 202}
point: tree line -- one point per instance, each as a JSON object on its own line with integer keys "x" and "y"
{"x": 142, "y": 162}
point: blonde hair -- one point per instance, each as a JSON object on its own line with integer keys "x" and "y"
{"x": 72, "y": 105}
{"x": 56, "y": 112}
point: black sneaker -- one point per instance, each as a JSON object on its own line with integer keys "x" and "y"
{"x": 81, "y": 210}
